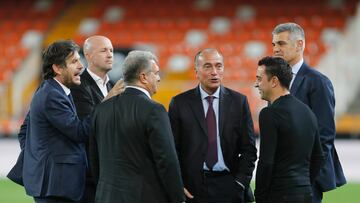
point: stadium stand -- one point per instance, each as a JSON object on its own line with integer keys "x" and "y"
{"x": 176, "y": 30}
{"x": 22, "y": 26}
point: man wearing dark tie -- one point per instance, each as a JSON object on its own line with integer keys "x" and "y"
{"x": 315, "y": 90}
{"x": 290, "y": 148}
{"x": 94, "y": 87}
{"x": 132, "y": 152}
{"x": 54, "y": 153}
{"x": 214, "y": 136}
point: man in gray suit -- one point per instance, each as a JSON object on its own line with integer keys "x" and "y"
{"x": 132, "y": 150}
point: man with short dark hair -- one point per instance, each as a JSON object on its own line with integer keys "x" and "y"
{"x": 54, "y": 154}
{"x": 290, "y": 149}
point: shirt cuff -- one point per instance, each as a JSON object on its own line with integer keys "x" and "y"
{"x": 243, "y": 187}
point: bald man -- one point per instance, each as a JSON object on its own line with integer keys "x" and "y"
{"x": 95, "y": 87}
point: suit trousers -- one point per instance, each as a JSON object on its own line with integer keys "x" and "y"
{"x": 290, "y": 198}
{"x": 89, "y": 193}
{"x": 317, "y": 195}
{"x": 219, "y": 187}
{"x": 53, "y": 200}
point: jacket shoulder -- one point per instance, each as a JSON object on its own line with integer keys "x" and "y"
{"x": 186, "y": 93}
{"x": 315, "y": 74}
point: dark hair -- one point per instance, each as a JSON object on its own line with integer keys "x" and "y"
{"x": 135, "y": 63}
{"x": 276, "y": 66}
{"x": 57, "y": 53}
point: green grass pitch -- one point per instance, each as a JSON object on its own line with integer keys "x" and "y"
{"x": 13, "y": 193}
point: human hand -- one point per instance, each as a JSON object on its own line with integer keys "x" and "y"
{"x": 118, "y": 88}
{"x": 188, "y": 194}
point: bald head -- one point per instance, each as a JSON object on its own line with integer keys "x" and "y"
{"x": 98, "y": 51}
{"x": 206, "y": 51}
{"x": 95, "y": 41}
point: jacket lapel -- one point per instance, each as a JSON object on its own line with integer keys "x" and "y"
{"x": 198, "y": 109}
{"x": 224, "y": 108}
{"x": 94, "y": 87}
{"x": 56, "y": 85}
{"x": 298, "y": 79}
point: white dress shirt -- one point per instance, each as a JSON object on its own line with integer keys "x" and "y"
{"x": 220, "y": 165}
{"x": 141, "y": 89}
{"x": 295, "y": 69}
{"x": 100, "y": 82}
{"x": 66, "y": 89}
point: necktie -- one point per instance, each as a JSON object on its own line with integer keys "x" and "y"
{"x": 211, "y": 157}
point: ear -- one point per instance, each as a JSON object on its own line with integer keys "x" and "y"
{"x": 299, "y": 45}
{"x": 57, "y": 69}
{"x": 143, "y": 78}
{"x": 196, "y": 73}
{"x": 274, "y": 81}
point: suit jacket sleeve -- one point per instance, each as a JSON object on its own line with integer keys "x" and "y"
{"x": 59, "y": 113}
{"x": 174, "y": 120}
{"x": 15, "y": 174}
{"x": 93, "y": 152}
{"x": 83, "y": 101}
{"x": 268, "y": 144}
{"x": 322, "y": 103}
{"x": 317, "y": 158}
{"x": 162, "y": 146}
{"x": 22, "y": 131}
{"x": 247, "y": 147}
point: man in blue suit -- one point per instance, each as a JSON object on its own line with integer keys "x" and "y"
{"x": 315, "y": 90}
{"x": 54, "y": 153}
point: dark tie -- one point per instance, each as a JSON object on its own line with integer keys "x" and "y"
{"x": 211, "y": 157}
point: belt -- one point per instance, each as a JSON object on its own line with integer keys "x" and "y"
{"x": 215, "y": 173}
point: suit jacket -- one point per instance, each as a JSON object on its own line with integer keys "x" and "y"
{"x": 136, "y": 159}
{"x": 54, "y": 153}
{"x": 315, "y": 90}
{"x": 235, "y": 130}
{"x": 87, "y": 95}
{"x": 15, "y": 174}
{"x": 290, "y": 153}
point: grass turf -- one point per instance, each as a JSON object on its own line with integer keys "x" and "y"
{"x": 13, "y": 193}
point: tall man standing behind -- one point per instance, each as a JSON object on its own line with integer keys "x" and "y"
{"x": 290, "y": 153}
{"x": 214, "y": 136}
{"x": 134, "y": 158}
{"x": 95, "y": 86}
{"x": 54, "y": 153}
{"x": 315, "y": 90}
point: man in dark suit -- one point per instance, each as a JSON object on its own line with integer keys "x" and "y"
{"x": 290, "y": 148}
{"x": 54, "y": 154}
{"x": 315, "y": 90}
{"x": 214, "y": 136}
{"x": 94, "y": 87}
{"x": 134, "y": 158}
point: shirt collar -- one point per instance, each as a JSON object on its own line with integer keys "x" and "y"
{"x": 205, "y": 94}
{"x": 141, "y": 89}
{"x": 295, "y": 68}
{"x": 98, "y": 79}
{"x": 66, "y": 89}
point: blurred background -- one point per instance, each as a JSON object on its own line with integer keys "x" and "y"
{"x": 175, "y": 31}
